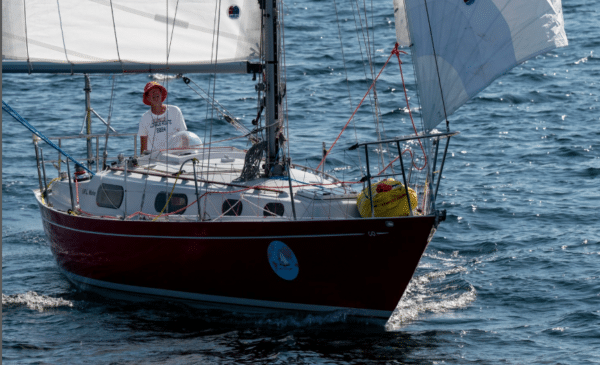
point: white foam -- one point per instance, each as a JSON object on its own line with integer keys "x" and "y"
{"x": 303, "y": 320}
{"x": 421, "y": 297}
{"x": 585, "y": 59}
{"x": 35, "y": 301}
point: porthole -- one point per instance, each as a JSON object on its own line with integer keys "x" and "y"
{"x": 177, "y": 202}
{"x": 109, "y": 196}
{"x": 232, "y": 207}
{"x": 273, "y": 209}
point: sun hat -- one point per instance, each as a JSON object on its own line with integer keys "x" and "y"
{"x": 152, "y": 85}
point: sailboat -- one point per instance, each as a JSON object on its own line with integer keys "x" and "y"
{"x": 233, "y": 228}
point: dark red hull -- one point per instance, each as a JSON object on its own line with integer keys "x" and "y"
{"x": 361, "y": 264}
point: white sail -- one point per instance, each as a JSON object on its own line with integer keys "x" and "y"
{"x": 114, "y": 32}
{"x": 475, "y": 42}
{"x": 402, "y": 35}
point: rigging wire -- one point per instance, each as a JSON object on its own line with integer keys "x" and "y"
{"x": 215, "y": 52}
{"x": 378, "y": 120}
{"x": 168, "y": 41}
{"x": 283, "y": 54}
{"x": 110, "y": 109}
{"x": 437, "y": 68}
{"x": 228, "y": 116}
{"x": 366, "y": 40}
{"x": 397, "y": 52}
{"x": 26, "y": 37}
{"x": 172, "y": 30}
{"x": 358, "y": 41}
{"x": 346, "y": 75}
{"x": 166, "y": 82}
{"x": 27, "y": 125}
{"x": 414, "y": 62}
{"x": 370, "y": 53}
{"x": 112, "y": 13}
{"x": 63, "y": 36}
{"x": 356, "y": 110}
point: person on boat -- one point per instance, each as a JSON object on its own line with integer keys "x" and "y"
{"x": 160, "y": 122}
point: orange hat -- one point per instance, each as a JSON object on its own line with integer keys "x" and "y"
{"x": 152, "y": 85}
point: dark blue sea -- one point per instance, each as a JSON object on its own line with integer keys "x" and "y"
{"x": 511, "y": 277}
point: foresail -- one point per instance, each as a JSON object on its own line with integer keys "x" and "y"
{"x": 402, "y": 35}
{"x": 475, "y": 42}
{"x": 129, "y": 32}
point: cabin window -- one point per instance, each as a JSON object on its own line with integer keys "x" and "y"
{"x": 273, "y": 209}
{"x": 109, "y": 196}
{"x": 232, "y": 207}
{"x": 177, "y": 202}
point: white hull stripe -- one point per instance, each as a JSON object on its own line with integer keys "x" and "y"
{"x": 207, "y": 238}
{"x": 221, "y": 299}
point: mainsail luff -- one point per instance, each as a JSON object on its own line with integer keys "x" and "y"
{"x": 92, "y": 36}
{"x": 475, "y": 41}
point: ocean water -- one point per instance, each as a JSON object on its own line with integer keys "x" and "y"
{"x": 511, "y": 277}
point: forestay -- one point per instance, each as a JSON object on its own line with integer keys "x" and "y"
{"x": 97, "y": 35}
{"x": 475, "y": 41}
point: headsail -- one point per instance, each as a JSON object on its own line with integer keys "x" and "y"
{"x": 124, "y": 33}
{"x": 475, "y": 42}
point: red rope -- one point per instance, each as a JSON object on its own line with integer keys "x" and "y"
{"x": 356, "y": 110}
{"x": 396, "y": 52}
{"x": 189, "y": 205}
{"x": 396, "y": 159}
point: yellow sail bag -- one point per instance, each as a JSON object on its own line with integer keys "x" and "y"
{"x": 389, "y": 199}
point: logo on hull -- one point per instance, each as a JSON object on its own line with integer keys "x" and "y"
{"x": 282, "y": 260}
{"x": 234, "y": 12}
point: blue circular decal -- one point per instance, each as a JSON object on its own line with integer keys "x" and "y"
{"x": 282, "y": 260}
{"x": 469, "y": 2}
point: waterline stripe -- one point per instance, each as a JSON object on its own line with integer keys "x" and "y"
{"x": 222, "y": 299}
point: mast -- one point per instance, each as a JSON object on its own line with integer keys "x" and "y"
{"x": 88, "y": 119}
{"x": 272, "y": 98}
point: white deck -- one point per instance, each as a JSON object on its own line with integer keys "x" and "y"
{"x": 315, "y": 196}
